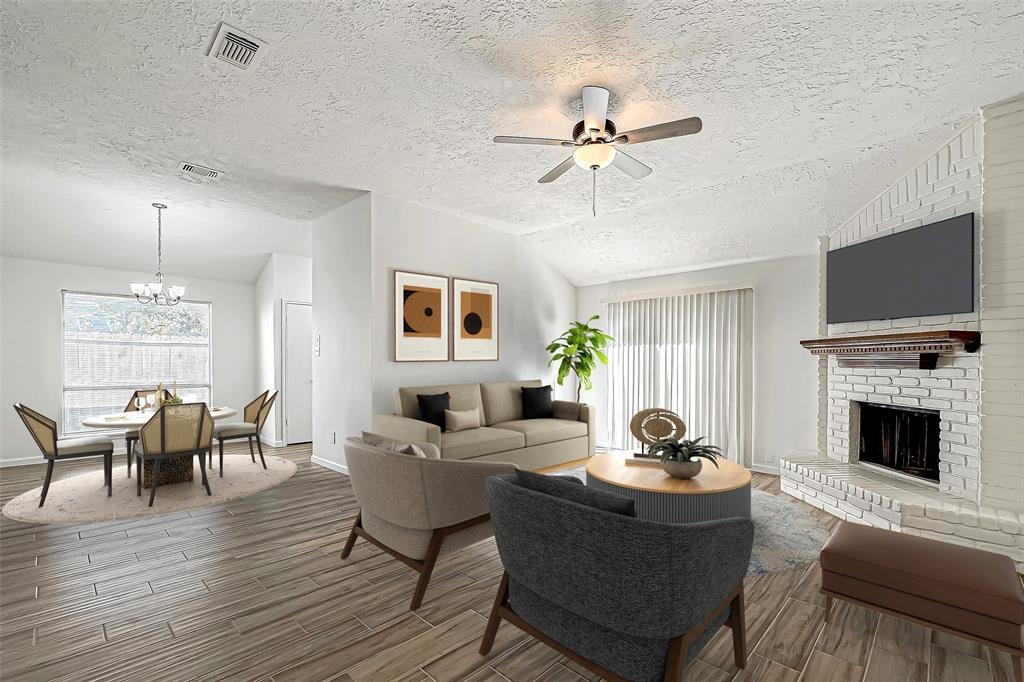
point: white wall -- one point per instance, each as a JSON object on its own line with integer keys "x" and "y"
{"x": 31, "y": 362}
{"x": 342, "y": 308}
{"x": 785, "y": 375}
{"x": 284, "y": 278}
{"x": 536, "y": 303}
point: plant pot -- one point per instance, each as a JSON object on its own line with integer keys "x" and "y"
{"x": 682, "y": 469}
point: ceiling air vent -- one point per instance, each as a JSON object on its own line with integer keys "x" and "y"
{"x": 196, "y": 172}
{"x": 237, "y": 48}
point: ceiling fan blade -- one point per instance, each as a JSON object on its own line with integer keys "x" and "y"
{"x": 558, "y": 171}
{"x": 685, "y": 126}
{"x": 595, "y": 110}
{"x": 513, "y": 139}
{"x": 630, "y": 166}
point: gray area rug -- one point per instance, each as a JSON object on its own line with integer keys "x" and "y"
{"x": 786, "y": 534}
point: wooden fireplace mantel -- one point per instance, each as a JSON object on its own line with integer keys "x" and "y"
{"x": 920, "y": 350}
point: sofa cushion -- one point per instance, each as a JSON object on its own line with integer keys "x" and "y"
{"x": 963, "y": 577}
{"x": 503, "y": 401}
{"x": 463, "y": 397}
{"x": 537, "y": 402}
{"x": 432, "y": 408}
{"x": 477, "y": 442}
{"x": 461, "y": 420}
{"x": 557, "y": 486}
{"x": 540, "y": 431}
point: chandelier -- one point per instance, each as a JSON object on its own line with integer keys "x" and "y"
{"x": 156, "y": 292}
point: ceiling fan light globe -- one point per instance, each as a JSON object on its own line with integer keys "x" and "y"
{"x": 591, "y": 156}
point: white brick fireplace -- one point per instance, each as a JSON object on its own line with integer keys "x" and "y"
{"x": 979, "y": 396}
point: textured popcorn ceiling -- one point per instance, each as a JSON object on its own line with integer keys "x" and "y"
{"x": 809, "y": 109}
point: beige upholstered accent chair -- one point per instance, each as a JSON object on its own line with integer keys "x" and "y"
{"x": 253, "y": 417}
{"x": 415, "y": 508}
{"x": 44, "y": 433}
{"x": 174, "y": 431}
{"x": 131, "y": 436}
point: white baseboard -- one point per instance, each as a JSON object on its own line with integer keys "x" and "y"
{"x": 23, "y": 461}
{"x": 772, "y": 469}
{"x": 272, "y": 443}
{"x": 328, "y": 464}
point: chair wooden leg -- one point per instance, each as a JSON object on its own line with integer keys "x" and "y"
{"x": 259, "y": 444}
{"x": 108, "y": 461}
{"x": 128, "y": 442}
{"x": 46, "y": 481}
{"x": 433, "y": 550}
{"x": 154, "y": 482}
{"x": 675, "y": 665}
{"x": 491, "y": 631}
{"x": 347, "y": 549}
{"x": 220, "y": 450}
{"x": 139, "y": 468}
{"x": 251, "y": 453}
{"x": 1018, "y": 668}
{"x": 738, "y": 623}
{"x": 202, "y": 468}
{"x": 828, "y": 607}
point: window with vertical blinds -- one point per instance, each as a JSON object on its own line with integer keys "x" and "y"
{"x": 114, "y": 345}
{"x": 691, "y": 354}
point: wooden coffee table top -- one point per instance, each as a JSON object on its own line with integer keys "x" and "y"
{"x": 611, "y": 467}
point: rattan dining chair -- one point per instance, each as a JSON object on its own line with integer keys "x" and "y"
{"x": 44, "y": 433}
{"x": 254, "y": 417}
{"x": 131, "y": 436}
{"x": 173, "y": 431}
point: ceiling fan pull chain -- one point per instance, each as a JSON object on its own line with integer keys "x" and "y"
{"x": 593, "y": 192}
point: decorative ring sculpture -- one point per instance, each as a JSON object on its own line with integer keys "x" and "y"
{"x": 653, "y": 424}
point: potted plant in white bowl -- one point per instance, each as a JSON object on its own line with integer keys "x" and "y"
{"x": 682, "y": 458}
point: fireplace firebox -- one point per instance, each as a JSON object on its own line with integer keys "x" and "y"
{"x": 904, "y": 439}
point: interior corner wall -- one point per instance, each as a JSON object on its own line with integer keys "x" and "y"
{"x": 536, "y": 302}
{"x": 285, "y": 277}
{"x": 342, "y": 321}
{"x": 785, "y": 375}
{"x": 31, "y": 361}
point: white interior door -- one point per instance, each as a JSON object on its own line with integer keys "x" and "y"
{"x": 298, "y": 372}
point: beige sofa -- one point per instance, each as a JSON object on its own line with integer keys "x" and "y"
{"x": 505, "y": 436}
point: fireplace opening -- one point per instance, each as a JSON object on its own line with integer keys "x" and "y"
{"x": 900, "y": 438}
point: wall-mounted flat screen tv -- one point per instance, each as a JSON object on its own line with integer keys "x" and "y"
{"x": 928, "y": 270}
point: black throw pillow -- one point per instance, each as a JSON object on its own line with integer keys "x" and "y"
{"x": 432, "y": 407}
{"x": 558, "y": 486}
{"x": 537, "y": 403}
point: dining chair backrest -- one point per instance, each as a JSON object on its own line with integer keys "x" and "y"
{"x": 265, "y": 410}
{"x": 252, "y": 411}
{"x": 42, "y": 428}
{"x": 183, "y": 428}
{"x": 144, "y": 393}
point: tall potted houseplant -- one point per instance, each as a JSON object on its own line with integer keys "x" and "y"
{"x": 578, "y": 351}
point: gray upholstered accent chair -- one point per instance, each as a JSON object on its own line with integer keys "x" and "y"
{"x": 416, "y": 508}
{"x": 253, "y": 417}
{"x": 174, "y": 431}
{"x": 44, "y": 433}
{"x": 627, "y": 598}
{"x": 131, "y": 436}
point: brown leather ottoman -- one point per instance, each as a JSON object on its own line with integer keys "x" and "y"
{"x": 961, "y": 590}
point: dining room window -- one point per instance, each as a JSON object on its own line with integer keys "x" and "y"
{"x": 114, "y": 345}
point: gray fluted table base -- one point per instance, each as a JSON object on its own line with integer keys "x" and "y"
{"x": 681, "y": 507}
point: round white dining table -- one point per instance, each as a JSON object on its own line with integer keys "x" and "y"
{"x": 133, "y": 420}
{"x": 178, "y": 470}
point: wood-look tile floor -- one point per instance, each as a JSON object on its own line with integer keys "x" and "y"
{"x": 255, "y": 590}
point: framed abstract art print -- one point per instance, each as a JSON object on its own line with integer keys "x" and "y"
{"x": 475, "y": 320}
{"x": 421, "y": 317}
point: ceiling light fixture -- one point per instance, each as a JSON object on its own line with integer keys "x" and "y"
{"x": 156, "y": 292}
{"x": 594, "y": 156}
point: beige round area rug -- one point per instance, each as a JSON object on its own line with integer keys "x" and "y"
{"x": 83, "y": 498}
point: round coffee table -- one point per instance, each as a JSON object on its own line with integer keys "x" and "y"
{"x": 713, "y": 494}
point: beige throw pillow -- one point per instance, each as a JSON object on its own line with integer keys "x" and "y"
{"x": 461, "y": 420}
{"x": 392, "y": 445}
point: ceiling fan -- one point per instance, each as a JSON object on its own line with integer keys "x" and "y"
{"x": 598, "y": 144}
